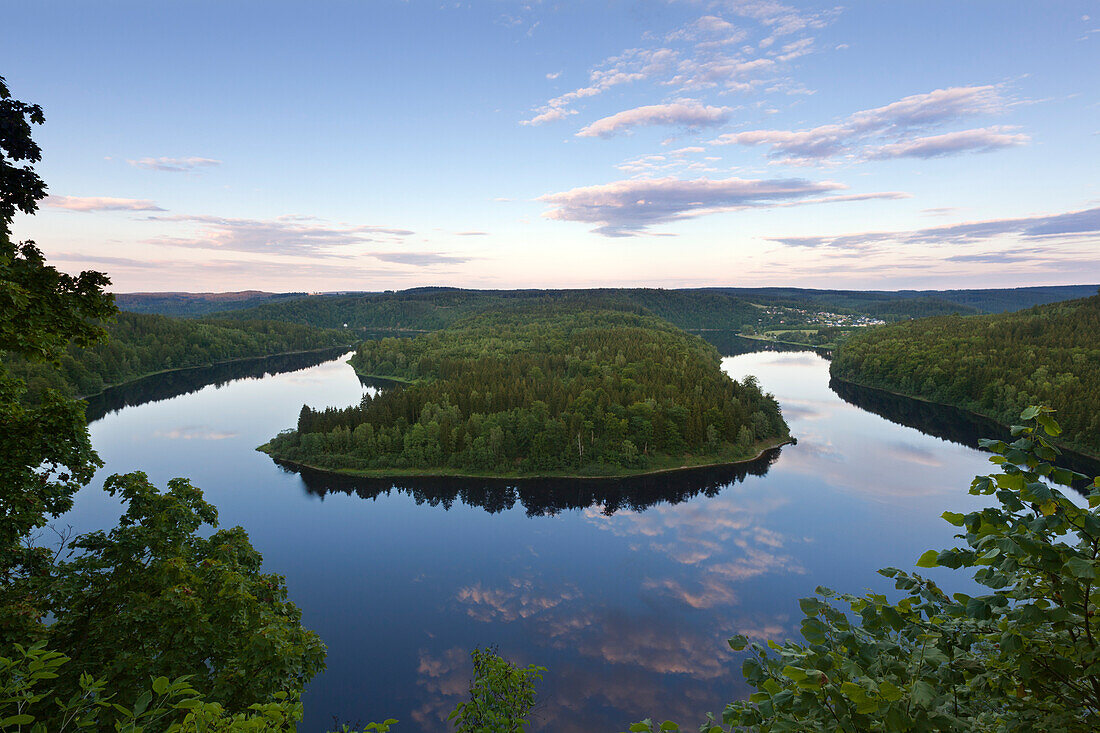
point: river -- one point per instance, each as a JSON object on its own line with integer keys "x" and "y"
{"x": 625, "y": 591}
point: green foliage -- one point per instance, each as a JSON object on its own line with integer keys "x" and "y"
{"x": 154, "y": 598}
{"x": 431, "y": 309}
{"x": 28, "y": 702}
{"x": 138, "y": 345}
{"x": 45, "y": 455}
{"x": 194, "y": 305}
{"x": 501, "y": 696}
{"x": 992, "y": 365}
{"x": 1025, "y": 656}
{"x": 151, "y": 600}
{"x": 539, "y": 390}
{"x": 724, "y": 309}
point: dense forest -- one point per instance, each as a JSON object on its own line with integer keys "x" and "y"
{"x": 540, "y": 390}
{"x": 429, "y": 309}
{"x": 191, "y": 305}
{"x": 914, "y": 303}
{"x": 994, "y": 365}
{"x": 144, "y": 344}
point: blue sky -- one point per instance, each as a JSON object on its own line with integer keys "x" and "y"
{"x": 374, "y": 145}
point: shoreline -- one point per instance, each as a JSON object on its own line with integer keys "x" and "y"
{"x": 223, "y": 362}
{"x": 809, "y": 347}
{"x": 997, "y": 421}
{"x": 378, "y": 377}
{"x": 380, "y": 473}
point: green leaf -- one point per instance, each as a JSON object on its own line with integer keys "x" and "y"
{"x": 1030, "y": 413}
{"x": 814, "y": 631}
{"x": 889, "y": 691}
{"x": 1080, "y": 567}
{"x": 23, "y": 719}
{"x": 160, "y": 685}
{"x": 853, "y": 692}
{"x": 1049, "y": 425}
{"x": 794, "y": 673}
{"x": 922, "y": 694}
{"x": 142, "y": 702}
{"x": 928, "y": 559}
{"x": 954, "y": 518}
{"x": 739, "y": 642}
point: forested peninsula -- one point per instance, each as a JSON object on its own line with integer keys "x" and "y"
{"x": 994, "y": 365}
{"x": 139, "y": 345}
{"x": 540, "y": 391}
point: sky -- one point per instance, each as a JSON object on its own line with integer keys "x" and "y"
{"x": 370, "y": 145}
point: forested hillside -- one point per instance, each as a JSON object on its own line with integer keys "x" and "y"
{"x": 914, "y": 303}
{"x": 992, "y": 364}
{"x": 540, "y": 390}
{"x": 429, "y": 309}
{"x": 196, "y": 304}
{"x": 144, "y": 344}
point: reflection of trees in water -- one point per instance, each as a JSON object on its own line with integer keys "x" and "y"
{"x": 942, "y": 421}
{"x": 165, "y": 386}
{"x": 541, "y": 497}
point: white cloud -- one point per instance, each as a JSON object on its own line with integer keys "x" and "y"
{"x": 99, "y": 203}
{"x": 701, "y": 55}
{"x": 981, "y": 140}
{"x": 1069, "y": 225}
{"x": 887, "y": 131}
{"x": 283, "y": 235}
{"x": 625, "y": 208}
{"x": 684, "y": 114}
{"x": 174, "y": 165}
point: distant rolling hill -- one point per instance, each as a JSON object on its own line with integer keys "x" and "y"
{"x": 882, "y": 302}
{"x": 703, "y": 308}
{"x": 432, "y": 308}
{"x": 197, "y": 304}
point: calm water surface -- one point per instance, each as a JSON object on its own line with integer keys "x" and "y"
{"x": 626, "y": 592}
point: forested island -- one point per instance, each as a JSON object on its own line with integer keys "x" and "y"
{"x": 139, "y": 345}
{"x": 994, "y": 365}
{"x": 541, "y": 390}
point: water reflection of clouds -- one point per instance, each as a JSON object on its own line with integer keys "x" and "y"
{"x": 911, "y": 453}
{"x": 713, "y": 546}
{"x": 518, "y": 600}
{"x": 581, "y": 692}
{"x": 445, "y": 677}
{"x": 692, "y": 533}
{"x": 888, "y": 470}
{"x": 788, "y": 360}
{"x": 195, "y": 432}
{"x": 795, "y": 411}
